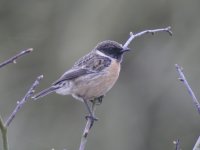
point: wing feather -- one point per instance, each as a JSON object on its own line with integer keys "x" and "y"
{"x": 72, "y": 74}
{"x": 90, "y": 63}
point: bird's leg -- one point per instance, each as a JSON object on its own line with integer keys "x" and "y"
{"x": 91, "y": 115}
{"x": 98, "y": 100}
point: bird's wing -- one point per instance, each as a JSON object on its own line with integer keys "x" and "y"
{"x": 72, "y": 74}
{"x": 91, "y": 63}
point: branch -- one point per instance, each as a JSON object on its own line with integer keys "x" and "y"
{"x": 177, "y": 144}
{"x": 14, "y": 58}
{"x": 197, "y": 145}
{"x": 22, "y": 102}
{"x": 89, "y": 121}
{"x": 3, "y": 127}
{"x": 4, "y": 134}
{"x": 183, "y": 79}
{"x": 133, "y": 36}
{"x": 87, "y": 128}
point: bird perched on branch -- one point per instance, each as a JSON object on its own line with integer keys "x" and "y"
{"x": 92, "y": 76}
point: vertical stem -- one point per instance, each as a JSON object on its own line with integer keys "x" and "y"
{"x": 5, "y": 140}
{"x": 4, "y": 134}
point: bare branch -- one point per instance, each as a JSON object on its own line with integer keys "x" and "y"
{"x": 22, "y": 102}
{"x": 87, "y": 128}
{"x": 89, "y": 121}
{"x": 183, "y": 79}
{"x": 14, "y": 58}
{"x": 197, "y": 145}
{"x": 177, "y": 144}
{"x": 133, "y": 36}
{"x": 4, "y": 134}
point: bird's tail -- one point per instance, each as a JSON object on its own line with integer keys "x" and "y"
{"x": 44, "y": 93}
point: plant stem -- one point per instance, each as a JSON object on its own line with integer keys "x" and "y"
{"x": 14, "y": 58}
{"x": 4, "y": 134}
{"x": 87, "y": 129}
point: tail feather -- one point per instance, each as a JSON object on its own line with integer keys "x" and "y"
{"x": 44, "y": 93}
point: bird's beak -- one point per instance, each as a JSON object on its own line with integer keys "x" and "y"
{"x": 125, "y": 49}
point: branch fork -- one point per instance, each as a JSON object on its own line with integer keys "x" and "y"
{"x": 131, "y": 38}
{"x": 4, "y": 126}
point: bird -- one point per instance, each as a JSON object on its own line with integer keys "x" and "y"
{"x": 92, "y": 76}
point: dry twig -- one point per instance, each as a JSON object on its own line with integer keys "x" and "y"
{"x": 14, "y": 58}
{"x": 197, "y": 145}
{"x": 183, "y": 79}
{"x": 24, "y": 99}
{"x": 3, "y": 127}
{"x": 177, "y": 144}
{"x": 133, "y": 36}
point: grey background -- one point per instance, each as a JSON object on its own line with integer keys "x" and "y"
{"x": 148, "y": 108}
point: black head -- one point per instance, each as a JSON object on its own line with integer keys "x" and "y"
{"x": 112, "y": 49}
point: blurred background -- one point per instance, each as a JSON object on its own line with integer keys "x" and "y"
{"x": 148, "y": 108}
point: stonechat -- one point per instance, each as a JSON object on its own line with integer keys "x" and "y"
{"x": 92, "y": 76}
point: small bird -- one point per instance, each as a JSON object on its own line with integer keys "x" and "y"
{"x": 92, "y": 76}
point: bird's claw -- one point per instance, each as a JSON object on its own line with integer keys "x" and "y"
{"x": 97, "y": 100}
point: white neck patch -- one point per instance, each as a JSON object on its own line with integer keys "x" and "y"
{"x": 102, "y": 54}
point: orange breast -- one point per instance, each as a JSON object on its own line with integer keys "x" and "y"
{"x": 95, "y": 86}
{"x": 113, "y": 73}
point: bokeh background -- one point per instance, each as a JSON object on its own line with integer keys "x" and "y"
{"x": 148, "y": 108}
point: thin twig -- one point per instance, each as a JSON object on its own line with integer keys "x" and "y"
{"x": 14, "y": 58}
{"x": 4, "y": 134}
{"x": 22, "y": 102}
{"x": 177, "y": 144}
{"x": 89, "y": 121}
{"x": 87, "y": 128}
{"x": 197, "y": 145}
{"x": 3, "y": 127}
{"x": 133, "y": 36}
{"x": 183, "y": 79}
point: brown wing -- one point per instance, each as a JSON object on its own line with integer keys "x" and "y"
{"x": 72, "y": 74}
{"x": 90, "y": 63}
{"x": 93, "y": 62}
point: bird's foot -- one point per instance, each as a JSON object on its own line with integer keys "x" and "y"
{"x": 98, "y": 100}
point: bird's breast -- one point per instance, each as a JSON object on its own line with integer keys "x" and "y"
{"x": 97, "y": 84}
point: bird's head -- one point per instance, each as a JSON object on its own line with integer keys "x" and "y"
{"x": 112, "y": 49}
